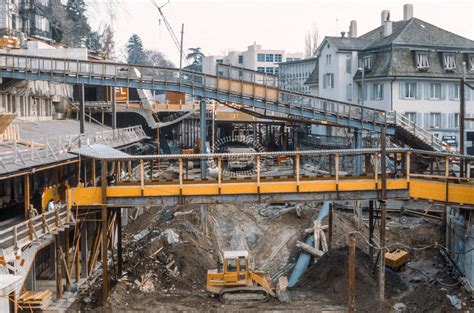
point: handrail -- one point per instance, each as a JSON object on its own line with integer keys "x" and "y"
{"x": 416, "y": 130}
{"x": 263, "y": 93}
{"x": 52, "y": 147}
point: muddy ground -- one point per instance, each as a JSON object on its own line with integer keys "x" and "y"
{"x": 167, "y": 253}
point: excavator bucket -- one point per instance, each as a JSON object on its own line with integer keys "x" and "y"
{"x": 281, "y": 291}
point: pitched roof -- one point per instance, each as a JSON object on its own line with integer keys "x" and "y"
{"x": 347, "y": 43}
{"x": 313, "y": 78}
{"x": 415, "y": 32}
{"x": 412, "y": 32}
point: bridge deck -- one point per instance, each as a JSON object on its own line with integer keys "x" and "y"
{"x": 281, "y": 176}
{"x": 249, "y": 89}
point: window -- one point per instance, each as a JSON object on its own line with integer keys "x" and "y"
{"x": 454, "y": 92}
{"x": 422, "y": 60}
{"x": 435, "y": 91}
{"x": 278, "y": 58}
{"x": 269, "y": 70}
{"x": 268, "y": 57}
{"x": 410, "y": 91}
{"x": 377, "y": 92}
{"x": 261, "y": 69}
{"x": 456, "y": 120}
{"x": 241, "y": 59}
{"x": 363, "y": 93}
{"x": 349, "y": 92}
{"x": 449, "y": 61}
{"x": 435, "y": 120}
{"x": 348, "y": 65}
{"x": 261, "y": 57}
{"x": 231, "y": 265}
{"x": 411, "y": 116}
{"x": 328, "y": 59}
{"x": 220, "y": 61}
{"x": 471, "y": 61}
{"x": 366, "y": 62}
{"x": 328, "y": 80}
{"x": 296, "y": 59}
{"x": 242, "y": 265}
{"x": 289, "y": 59}
{"x": 42, "y": 23}
{"x": 276, "y": 70}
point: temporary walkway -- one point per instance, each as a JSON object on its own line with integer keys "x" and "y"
{"x": 279, "y": 176}
{"x": 254, "y": 90}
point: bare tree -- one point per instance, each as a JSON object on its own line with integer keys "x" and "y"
{"x": 311, "y": 41}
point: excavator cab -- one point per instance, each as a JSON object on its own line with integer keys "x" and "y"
{"x": 236, "y": 282}
{"x": 236, "y": 267}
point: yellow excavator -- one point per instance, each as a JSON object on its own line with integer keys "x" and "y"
{"x": 237, "y": 283}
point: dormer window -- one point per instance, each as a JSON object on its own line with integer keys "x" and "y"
{"x": 449, "y": 62}
{"x": 422, "y": 60}
{"x": 471, "y": 62}
{"x": 366, "y": 62}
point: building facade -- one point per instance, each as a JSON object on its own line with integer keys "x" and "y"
{"x": 26, "y": 16}
{"x": 294, "y": 74}
{"x": 410, "y": 66}
{"x": 254, "y": 58}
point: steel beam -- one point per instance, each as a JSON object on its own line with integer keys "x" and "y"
{"x": 202, "y": 119}
{"x": 82, "y": 109}
{"x": 254, "y": 198}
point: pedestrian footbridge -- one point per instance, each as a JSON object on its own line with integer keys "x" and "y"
{"x": 275, "y": 176}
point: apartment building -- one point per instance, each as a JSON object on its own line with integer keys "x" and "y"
{"x": 410, "y": 66}
{"x": 254, "y": 58}
{"x": 294, "y": 74}
{"x": 27, "y": 16}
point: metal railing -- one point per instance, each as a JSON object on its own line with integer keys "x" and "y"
{"x": 14, "y": 238}
{"x": 419, "y": 132}
{"x": 250, "y": 88}
{"x": 49, "y": 149}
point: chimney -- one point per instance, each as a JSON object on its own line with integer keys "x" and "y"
{"x": 343, "y": 34}
{"x": 385, "y": 16}
{"x": 353, "y": 29}
{"x": 407, "y": 11}
{"x": 387, "y": 28}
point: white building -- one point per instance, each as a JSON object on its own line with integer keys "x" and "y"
{"x": 27, "y": 16}
{"x": 294, "y": 74}
{"x": 254, "y": 58}
{"x": 411, "y": 67}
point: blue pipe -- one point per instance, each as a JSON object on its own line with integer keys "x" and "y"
{"x": 305, "y": 258}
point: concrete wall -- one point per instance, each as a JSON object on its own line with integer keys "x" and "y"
{"x": 35, "y": 48}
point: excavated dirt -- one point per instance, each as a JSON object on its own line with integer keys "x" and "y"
{"x": 164, "y": 274}
{"x": 329, "y": 276}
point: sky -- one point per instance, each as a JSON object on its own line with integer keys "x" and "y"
{"x": 222, "y": 25}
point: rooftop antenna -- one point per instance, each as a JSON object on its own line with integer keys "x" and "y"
{"x": 177, "y": 43}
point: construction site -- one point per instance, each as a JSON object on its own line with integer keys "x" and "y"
{"x": 129, "y": 187}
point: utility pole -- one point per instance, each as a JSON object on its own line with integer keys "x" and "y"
{"x": 383, "y": 211}
{"x": 181, "y": 49}
{"x": 462, "y": 115}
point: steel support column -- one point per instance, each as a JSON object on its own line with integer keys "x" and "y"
{"x": 358, "y": 145}
{"x": 119, "y": 243}
{"x": 114, "y": 108}
{"x": 82, "y": 109}
{"x": 105, "y": 270}
{"x": 383, "y": 211}
{"x": 202, "y": 118}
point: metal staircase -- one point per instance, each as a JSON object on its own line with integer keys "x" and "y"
{"x": 415, "y": 136}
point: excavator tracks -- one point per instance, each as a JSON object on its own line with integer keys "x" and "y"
{"x": 243, "y": 294}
